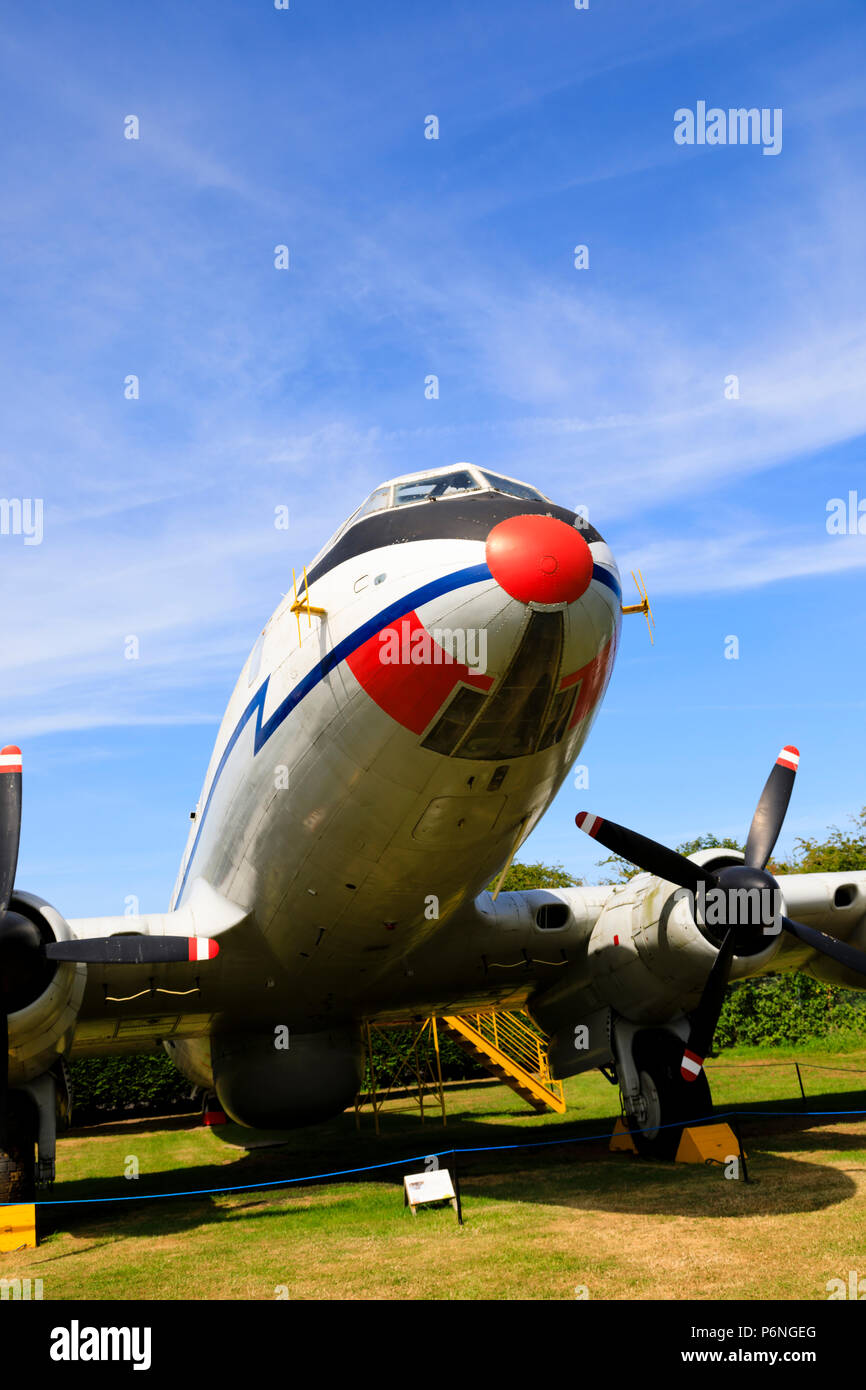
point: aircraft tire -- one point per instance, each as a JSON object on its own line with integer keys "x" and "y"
{"x": 657, "y": 1056}
{"x": 18, "y": 1158}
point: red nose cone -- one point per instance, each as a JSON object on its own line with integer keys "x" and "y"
{"x": 538, "y": 559}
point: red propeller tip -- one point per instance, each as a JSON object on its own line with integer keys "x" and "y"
{"x": 789, "y": 757}
{"x": 691, "y": 1066}
{"x": 588, "y": 822}
{"x": 10, "y": 759}
{"x": 202, "y": 948}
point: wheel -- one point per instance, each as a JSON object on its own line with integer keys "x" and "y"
{"x": 667, "y": 1097}
{"x": 18, "y": 1156}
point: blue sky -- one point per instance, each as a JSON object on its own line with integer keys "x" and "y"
{"x": 412, "y": 256}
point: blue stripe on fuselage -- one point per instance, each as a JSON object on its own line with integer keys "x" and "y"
{"x": 474, "y": 574}
{"x": 605, "y": 577}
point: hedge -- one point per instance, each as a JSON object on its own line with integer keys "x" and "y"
{"x": 128, "y": 1086}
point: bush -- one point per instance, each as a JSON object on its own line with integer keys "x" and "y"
{"x": 127, "y": 1086}
{"x": 781, "y": 1010}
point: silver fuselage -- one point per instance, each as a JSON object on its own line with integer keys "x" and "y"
{"x": 323, "y": 815}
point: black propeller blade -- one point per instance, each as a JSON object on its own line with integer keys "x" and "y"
{"x": 10, "y": 820}
{"x": 132, "y": 949}
{"x": 10, "y": 833}
{"x": 772, "y": 808}
{"x": 667, "y": 864}
{"x": 816, "y": 940}
{"x": 646, "y": 854}
{"x": 706, "y": 1016}
{"x": 4, "y": 1072}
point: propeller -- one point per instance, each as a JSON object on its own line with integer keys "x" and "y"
{"x": 26, "y": 960}
{"x": 751, "y": 874}
{"x": 10, "y": 832}
{"x": 132, "y": 949}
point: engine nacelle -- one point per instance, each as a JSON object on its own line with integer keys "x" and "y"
{"x": 648, "y": 955}
{"x": 647, "y": 960}
{"x": 41, "y": 1030}
{"x": 264, "y": 1085}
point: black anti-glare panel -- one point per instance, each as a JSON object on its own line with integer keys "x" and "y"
{"x": 471, "y": 516}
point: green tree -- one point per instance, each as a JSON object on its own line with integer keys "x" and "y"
{"x": 520, "y": 877}
{"x": 839, "y": 853}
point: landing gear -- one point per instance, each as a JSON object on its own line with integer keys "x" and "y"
{"x": 664, "y": 1103}
{"x": 18, "y": 1150}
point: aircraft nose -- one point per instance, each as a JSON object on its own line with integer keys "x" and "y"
{"x": 538, "y": 559}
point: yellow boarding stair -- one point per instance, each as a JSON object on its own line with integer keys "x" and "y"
{"x": 511, "y": 1047}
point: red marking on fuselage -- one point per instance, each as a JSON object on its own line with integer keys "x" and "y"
{"x": 415, "y": 686}
{"x": 593, "y": 679}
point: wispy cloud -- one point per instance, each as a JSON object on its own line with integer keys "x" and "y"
{"x": 604, "y": 387}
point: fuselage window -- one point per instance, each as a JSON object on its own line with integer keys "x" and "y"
{"x": 434, "y": 489}
{"x": 513, "y": 489}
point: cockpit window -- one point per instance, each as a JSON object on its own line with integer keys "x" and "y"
{"x": 513, "y": 489}
{"x": 432, "y": 489}
{"x": 376, "y": 502}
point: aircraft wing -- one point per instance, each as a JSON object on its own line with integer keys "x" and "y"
{"x": 120, "y": 983}
{"x": 833, "y": 903}
{"x": 206, "y": 914}
{"x": 608, "y": 945}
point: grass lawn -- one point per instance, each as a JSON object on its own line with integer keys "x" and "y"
{"x": 538, "y": 1223}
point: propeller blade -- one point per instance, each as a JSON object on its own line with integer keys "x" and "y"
{"x": 846, "y": 955}
{"x": 133, "y": 950}
{"x": 646, "y": 854}
{"x": 706, "y": 1016}
{"x": 10, "y": 820}
{"x": 4, "y": 1072}
{"x": 767, "y": 820}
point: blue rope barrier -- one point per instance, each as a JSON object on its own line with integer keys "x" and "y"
{"x": 418, "y": 1158}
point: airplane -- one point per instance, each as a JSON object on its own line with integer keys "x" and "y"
{"x": 398, "y": 730}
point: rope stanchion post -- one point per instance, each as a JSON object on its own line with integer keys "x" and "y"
{"x": 456, "y": 1179}
{"x": 742, "y": 1152}
{"x": 800, "y": 1079}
